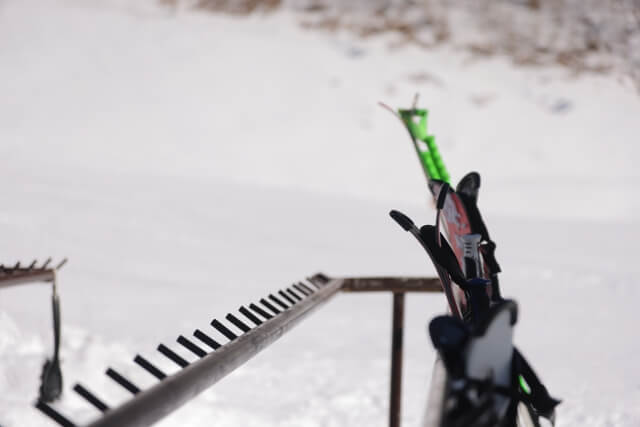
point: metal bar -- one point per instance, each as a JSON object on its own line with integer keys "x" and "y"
{"x": 149, "y": 367}
{"x": 287, "y": 297}
{"x": 21, "y": 277}
{"x": 319, "y": 279}
{"x": 397, "y": 333}
{"x": 53, "y": 414}
{"x": 90, "y": 397}
{"x": 278, "y": 301}
{"x": 191, "y": 346}
{"x": 392, "y": 284}
{"x": 122, "y": 381}
{"x": 270, "y": 306}
{"x": 17, "y": 275}
{"x": 238, "y": 323}
{"x": 306, "y": 287}
{"x": 260, "y": 311}
{"x": 174, "y": 357}
{"x": 223, "y": 330}
{"x": 206, "y": 339}
{"x": 301, "y": 289}
{"x": 293, "y": 294}
{"x": 249, "y": 315}
{"x": 165, "y": 397}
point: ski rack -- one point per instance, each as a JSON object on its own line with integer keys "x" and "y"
{"x": 261, "y": 325}
{"x": 18, "y": 275}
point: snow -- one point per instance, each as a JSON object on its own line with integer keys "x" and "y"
{"x": 188, "y": 163}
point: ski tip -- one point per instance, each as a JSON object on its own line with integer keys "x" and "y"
{"x": 469, "y": 185}
{"x": 390, "y": 109}
{"x": 442, "y": 196}
{"x": 402, "y": 220}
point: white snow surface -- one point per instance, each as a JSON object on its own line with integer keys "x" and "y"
{"x": 188, "y": 163}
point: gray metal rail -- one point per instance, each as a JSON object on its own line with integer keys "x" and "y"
{"x": 153, "y": 404}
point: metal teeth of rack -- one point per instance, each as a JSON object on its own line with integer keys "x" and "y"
{"x": 33, "y": 267}
{"x": 274, "y": 305}
{"x": 90, "y": 397}
{"x": 17, "y": 274}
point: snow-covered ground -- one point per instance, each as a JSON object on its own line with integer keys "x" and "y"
{"x": 188, "y": 163}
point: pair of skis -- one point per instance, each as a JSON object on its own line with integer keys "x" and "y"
{"x": 488, "y": 380}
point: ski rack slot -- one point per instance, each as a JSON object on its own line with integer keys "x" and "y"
{"x": 293, "y": 305}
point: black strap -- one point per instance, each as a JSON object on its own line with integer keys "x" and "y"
{"x": 538, "y": 397}
{"x": 443, "y": 254}
{"x": 475, "y": 289}
{"x": 449, "y": 336}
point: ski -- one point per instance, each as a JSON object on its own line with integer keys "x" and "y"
{"x": 461, "y": 214}
{"x": 480, "y": 378}
{"x": 408, "y": 225}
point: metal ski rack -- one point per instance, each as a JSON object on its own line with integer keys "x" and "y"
{"x": 51, "y": 384}
{"x": 254, "y": 327}
{"x": 18, "y": 275}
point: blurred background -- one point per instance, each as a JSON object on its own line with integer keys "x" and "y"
{"x": 190, "y": 156}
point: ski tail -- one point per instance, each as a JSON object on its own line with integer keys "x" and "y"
{"x": 488, "y": 376}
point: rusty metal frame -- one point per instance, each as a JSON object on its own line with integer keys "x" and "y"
{"x": 17, "y": 275}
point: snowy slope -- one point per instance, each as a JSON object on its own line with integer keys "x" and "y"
{"x": 189, "y": 163}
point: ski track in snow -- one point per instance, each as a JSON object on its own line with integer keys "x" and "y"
{"x": 189, "y": 163}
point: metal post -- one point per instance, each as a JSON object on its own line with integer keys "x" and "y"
{"x": 396, "y": 359}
